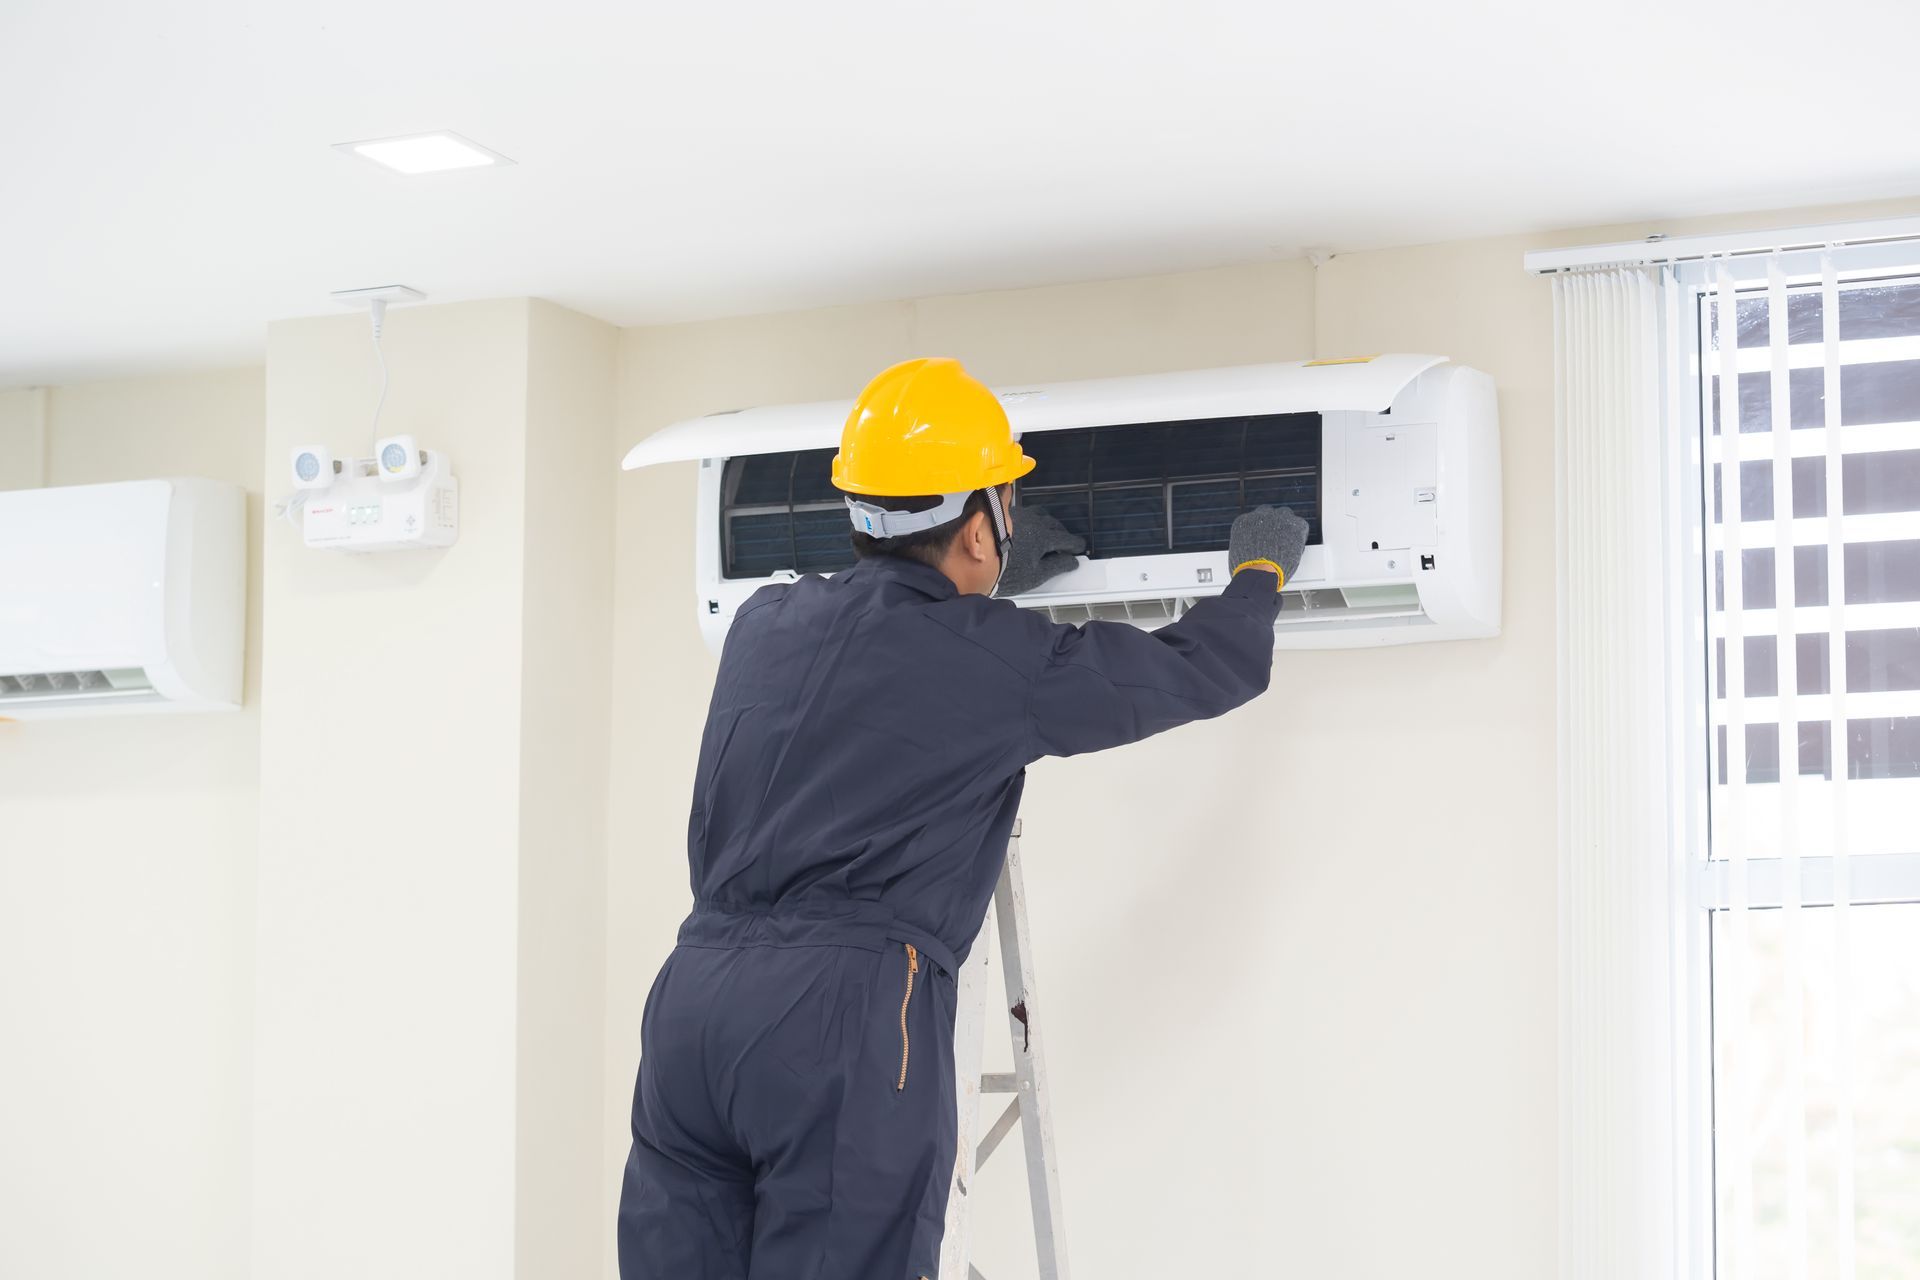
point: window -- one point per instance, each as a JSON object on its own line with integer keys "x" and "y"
{"x": 1809, "y": 472}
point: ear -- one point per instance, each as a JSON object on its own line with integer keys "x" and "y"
{"x": 977, "y": 538}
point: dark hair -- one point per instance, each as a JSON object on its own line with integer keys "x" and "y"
{"x": 929, "y": 546}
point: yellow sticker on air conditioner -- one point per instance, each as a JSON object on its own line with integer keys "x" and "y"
{"x": 1314, "y": 364}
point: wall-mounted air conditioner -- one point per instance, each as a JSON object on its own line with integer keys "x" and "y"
{"x": 1394, "y": 460}
{"x": 122, "y": 597}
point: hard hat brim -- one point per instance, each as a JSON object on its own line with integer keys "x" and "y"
{"x": 1006, "y": 473}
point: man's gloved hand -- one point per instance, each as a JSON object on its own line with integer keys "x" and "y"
{"x": 1265, "y": 538}
{"x": 1042, "y": 549}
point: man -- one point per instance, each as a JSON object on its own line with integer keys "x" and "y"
{"x": 860, "y": 773}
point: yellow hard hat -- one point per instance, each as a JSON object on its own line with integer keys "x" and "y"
{"x": 927, "y": 427}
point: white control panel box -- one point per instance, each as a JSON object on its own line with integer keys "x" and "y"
{"x": 361, "y": 510}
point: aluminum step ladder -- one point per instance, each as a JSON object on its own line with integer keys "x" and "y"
{"x": 1028, "y": 1105}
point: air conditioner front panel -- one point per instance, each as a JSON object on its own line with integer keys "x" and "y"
{"x": 122, "y": 597}
{"x": 83, "y": 577}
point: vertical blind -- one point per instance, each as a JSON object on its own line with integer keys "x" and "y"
{"x": 1621, "y": 1173}
{"x": 1770, "y": 1036}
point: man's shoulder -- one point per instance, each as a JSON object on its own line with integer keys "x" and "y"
{"x": 772, "y": 593}
{"x": 1020, "y": 638}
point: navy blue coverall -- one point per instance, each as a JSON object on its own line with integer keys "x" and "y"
{"x": 859, "y": 776}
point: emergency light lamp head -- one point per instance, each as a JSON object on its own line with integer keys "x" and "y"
{"x": 313, "y": 466}
{"x": 397, "y": 458}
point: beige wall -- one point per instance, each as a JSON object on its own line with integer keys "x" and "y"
{"x": 354, "y": 930}
{"x": 384, "y": 1126}
{"x": 1343, "y": 997}
{"x": 23, "y": 438}
{"x": 428, "y": 978}
{"x": 126, "y": 910}
{"x": 566, "y": 661}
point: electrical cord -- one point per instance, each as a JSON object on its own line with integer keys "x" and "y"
{"x": 379, "y": 321}
{"x": 289, "y": 510}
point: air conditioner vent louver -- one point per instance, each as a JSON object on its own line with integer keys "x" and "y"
{"x": 1316, "y": 603}
{"x": 1312, "y": 600}
{"x": 1148, "y": 612}
{"x": 73, "y": 686}
{"x": 1322, "y": 604}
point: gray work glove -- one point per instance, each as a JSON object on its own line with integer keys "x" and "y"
{"x": 1266, "y": 534}
{"x": 1042, "y": 549}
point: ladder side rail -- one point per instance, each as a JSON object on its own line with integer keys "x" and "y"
{"x": 1026, "y": 1027}
{"x": 969, "y": 1041}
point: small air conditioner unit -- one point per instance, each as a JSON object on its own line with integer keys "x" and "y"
{"x": 122, "y": 597}
{"x": 1394, "y": 460}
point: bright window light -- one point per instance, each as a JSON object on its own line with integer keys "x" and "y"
{"x": 425, "y": 153}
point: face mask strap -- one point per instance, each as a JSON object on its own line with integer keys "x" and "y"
{"x": 1002, "y": 532}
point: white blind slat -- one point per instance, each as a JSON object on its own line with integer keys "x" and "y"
{"x": 1840, "y": 913}
{"x": 1733, "y": 1095}
{"x": 1787, "y": 681}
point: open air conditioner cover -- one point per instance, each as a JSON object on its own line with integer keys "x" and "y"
{"x": 1394, "y": 461}
{"x": 1300, "y": 386}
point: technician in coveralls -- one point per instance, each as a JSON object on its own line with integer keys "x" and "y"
{"x": 859, "y": 776}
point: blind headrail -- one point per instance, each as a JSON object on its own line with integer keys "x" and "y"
{"x": 1656, "y": 250}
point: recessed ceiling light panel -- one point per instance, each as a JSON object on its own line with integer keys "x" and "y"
{"x": 424, "y": 152}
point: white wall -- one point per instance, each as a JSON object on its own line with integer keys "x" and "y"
{"x": 1341, "y": 1007}
{"x": 126, "y": 910}
{"x": 1312, "y": 1033}
{"x": 388, "y": 885}
{"x": 429, "y": 967}
{"x": 1344, "y": 997}
{"x": 428, "y": 976}
{"x": 566, "y": 661}
{"x": 23, "y": 438}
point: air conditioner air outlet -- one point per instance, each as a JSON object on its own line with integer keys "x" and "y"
{"x": 74, "y": 684}
{"x": 1306, "y": 607}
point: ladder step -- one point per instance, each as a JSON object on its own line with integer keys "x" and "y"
{"x": 1001, "y": 1128}
{"x": 999, "y": 1082}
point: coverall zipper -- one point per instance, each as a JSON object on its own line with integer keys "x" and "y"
{"x": 913, "y": 967}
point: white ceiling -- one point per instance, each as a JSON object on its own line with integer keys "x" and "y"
{"x": 169, "y": 185}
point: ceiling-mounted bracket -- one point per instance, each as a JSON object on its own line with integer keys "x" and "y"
{"x": 377, "y": 298}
